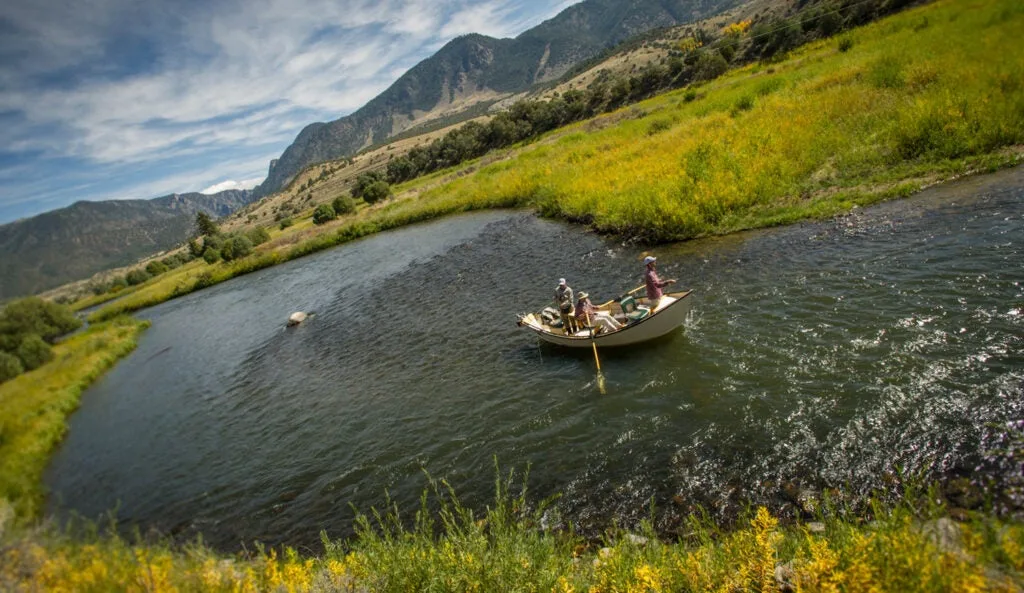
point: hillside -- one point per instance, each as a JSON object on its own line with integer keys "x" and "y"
{"x": 476, "y": 69}
{"x": 70, "y": 243}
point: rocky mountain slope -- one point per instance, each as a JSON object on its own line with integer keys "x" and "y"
{"x": 70, "y": 243}
{"x": 475, "y": 69}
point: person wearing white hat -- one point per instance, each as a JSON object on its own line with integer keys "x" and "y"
{"x": 587, "y": 314}
{"x": 563, "y": 301}
{"x": 654, "y": 284}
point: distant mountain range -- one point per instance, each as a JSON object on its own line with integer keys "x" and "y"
{"x": 87, "y": 237}
{"x": 475, "y": 68}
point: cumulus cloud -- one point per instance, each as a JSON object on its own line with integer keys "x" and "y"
{"x": 232, "y": 184}
{"x": 105, "y": 86}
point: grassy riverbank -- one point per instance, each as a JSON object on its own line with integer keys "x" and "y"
{"x": 505, "y": 549}
{"x": 35, "y": 405}
{"x": 927, "y": 95}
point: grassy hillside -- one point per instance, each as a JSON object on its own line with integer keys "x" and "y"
{"x": 878, "y": 113}
{"x": 925, "y": 95}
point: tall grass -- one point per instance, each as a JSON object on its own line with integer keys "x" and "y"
{"x": 507, "y": 548}
{"x": 34, "y": 405}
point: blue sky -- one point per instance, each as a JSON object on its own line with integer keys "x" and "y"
{"x": 114, "y": 99}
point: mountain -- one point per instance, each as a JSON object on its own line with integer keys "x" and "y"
{"x": 476, "y": 69}
{"x": 86, "y": 237}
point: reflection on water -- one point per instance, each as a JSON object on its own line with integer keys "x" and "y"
{"x": 819, "y": 355}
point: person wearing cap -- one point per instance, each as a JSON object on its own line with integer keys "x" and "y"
{"x": 654, "y": 284}
{"x": 563, "y": 301}
{"x": 588, "y": 315}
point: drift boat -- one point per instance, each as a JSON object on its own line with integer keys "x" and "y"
{"x": 640, "y": 322}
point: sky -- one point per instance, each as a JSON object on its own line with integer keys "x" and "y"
{"x": 116, "y": 99}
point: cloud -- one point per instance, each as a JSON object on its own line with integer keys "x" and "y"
{"x": 127, "y": 91}
{"x": 232, "y": 184}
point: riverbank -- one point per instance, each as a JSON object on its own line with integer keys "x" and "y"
{"x": 909, "y": 547}
{"x": 925, "y": 96}
{"x": 36, "y": 405}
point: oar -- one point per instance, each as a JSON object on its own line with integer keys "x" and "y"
{"x": 597, "y": 361}
{"x": 637, "y": 289}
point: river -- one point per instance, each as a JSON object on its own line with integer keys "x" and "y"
{"x": 839, "y": 354}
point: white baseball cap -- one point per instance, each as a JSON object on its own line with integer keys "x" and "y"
{"x": 561, "y": 281}
{"x": 650, "y": 259}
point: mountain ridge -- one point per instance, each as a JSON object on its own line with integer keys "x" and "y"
{"x": 70, "y": 243}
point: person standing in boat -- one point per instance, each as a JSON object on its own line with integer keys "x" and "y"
{"x": 563, "y": 301}
{"x": 654, "y": 284}
{"x": 589, "y": 315}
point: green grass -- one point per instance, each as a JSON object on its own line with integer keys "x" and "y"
{"x": 34, "y": 405}
{"x": 909, "y": 546}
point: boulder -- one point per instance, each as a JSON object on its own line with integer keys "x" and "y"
{"x": 296, "y": 318}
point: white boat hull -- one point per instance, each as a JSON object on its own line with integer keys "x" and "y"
{"x": 670, "y": 314}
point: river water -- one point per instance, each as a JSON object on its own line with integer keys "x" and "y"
{"x": 824, "y": 355}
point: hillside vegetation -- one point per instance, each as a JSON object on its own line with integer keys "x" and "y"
{"x": 879, "y": 112}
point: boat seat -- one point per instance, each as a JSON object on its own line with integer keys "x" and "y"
{"x": 632, "y": 311}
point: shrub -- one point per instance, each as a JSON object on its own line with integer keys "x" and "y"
{"x": 323, "y": 213}
{"x": 34, "y": 315}
{"x": 286, "y": 222}
{"x": 136, "y": 277}
{"x": 34, "y": 352}
{"x": 343, "y": 204}
{"x": 659, "y": 125}
{"x": 377, "y": 191}
{"x": 364, "y": 181}
{"x": 155, "y": 268}
{"x": 745, "y": 103}
{"x": 845, "y": 44}
{"x": 711, "y": 65}
{"x": 258, "y": 236}
{"x": 236, "y": 247}
{"x": 10, "y": 366}
{"x": 211, "y": 256}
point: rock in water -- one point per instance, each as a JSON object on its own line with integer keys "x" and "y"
{"x": 296, "y": 318}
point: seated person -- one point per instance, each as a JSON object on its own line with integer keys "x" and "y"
{"x": 588, "y": 315}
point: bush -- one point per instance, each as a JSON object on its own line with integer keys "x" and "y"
{"x": 34, "y": 352}
{"x": 236, "y": 247}
{"x": 33, "y": 315}
{"x": 343, "y": 204}
{"x": 377, "y": 191}
{"x": 136, "y": 277}
{"x": 323, "y": 213}
{"x": 364, "y": 181}
{"x": 286, "y": 222}
{"x": 155, "y": 268}
{"x": 211, "y": 256}
{"x": 10, "y": 366}
{"x": 258, "y": 236}
{"x": 745, "y": 103}
{"x": 711, "y": 65}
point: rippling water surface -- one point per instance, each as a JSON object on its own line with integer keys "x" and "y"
{"x": 832, "y": 354}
